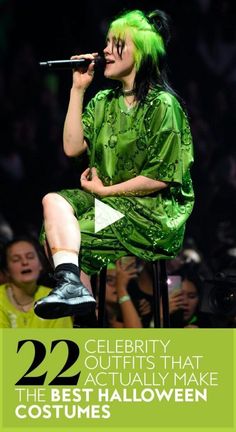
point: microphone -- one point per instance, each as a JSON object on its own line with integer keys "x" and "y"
{"x": 72, "y": 64}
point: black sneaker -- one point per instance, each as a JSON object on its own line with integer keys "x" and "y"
{"x": 69, "y": 297}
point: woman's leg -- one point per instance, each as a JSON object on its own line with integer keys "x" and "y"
{"x": 62, "y": 232}
{"x": 70, "y": 296}
{"x": 86, "y": 280}
{"x": 61, "y": 226}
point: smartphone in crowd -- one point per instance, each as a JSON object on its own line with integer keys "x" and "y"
{"x": 174, "y": 283}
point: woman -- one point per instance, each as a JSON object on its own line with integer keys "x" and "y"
{"x": 140, "y": 148}
{"x": 190, "y": 303}
{"x": 120, "y": 309}
{"x": 185, "y": 300}
{"x": 22, "y": 265}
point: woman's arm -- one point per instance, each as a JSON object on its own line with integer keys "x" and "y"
{"x": 73, "y": 133}
{"x": 130, "y": 315}
{"x": 138, "y": 186}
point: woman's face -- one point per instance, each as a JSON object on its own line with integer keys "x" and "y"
{"x": 23, "y": 264}
{"x": 190, "y": 299}
{"x": 120, "y": 62}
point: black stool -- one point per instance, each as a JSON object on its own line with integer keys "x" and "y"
{"x": 160, "y": 294}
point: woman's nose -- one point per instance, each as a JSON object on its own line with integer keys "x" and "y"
{"x": 24, "y": 261}
{"x": 107, "y": 49}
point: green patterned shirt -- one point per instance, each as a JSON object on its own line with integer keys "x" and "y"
{"x": 152, "y": 139}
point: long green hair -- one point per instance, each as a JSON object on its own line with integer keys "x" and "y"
{"x": 150, "y": 35}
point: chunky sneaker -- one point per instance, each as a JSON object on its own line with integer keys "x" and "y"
{"x": 69, "y": 297}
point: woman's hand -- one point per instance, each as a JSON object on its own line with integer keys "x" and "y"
{"x": 123, "y": 275}
{"x": 90, "y": 182}
{"x": 176, "y": 301}
{"x": 144, "y": 307}
{"x": 83, "y": 77}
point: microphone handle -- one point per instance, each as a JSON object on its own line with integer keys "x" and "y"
{"x": 68, "y": 64}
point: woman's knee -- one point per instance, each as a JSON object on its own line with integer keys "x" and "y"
{"x": 53, "y": 202}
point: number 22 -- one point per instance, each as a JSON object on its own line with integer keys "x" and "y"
{"x": 39, "y": 355}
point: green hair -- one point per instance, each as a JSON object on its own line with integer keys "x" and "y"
{"x": 150, "y": 35}
{"x": 147, "y": 40}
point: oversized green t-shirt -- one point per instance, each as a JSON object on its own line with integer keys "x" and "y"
{"x": 152, "y": 139}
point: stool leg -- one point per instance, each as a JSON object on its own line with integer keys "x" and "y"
{"x": 156, "y": 294}
{"x": 102, "y": 297}
{"x": 164, "y": 294}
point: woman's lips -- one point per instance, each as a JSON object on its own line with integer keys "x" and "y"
{"x": 26, "y": 271}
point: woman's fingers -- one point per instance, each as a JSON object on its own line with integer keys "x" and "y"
{"x": 94, "y": 172}
{"x": 85, "y": 174}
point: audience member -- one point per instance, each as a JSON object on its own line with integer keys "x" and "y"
{"x": 22, "y": 263}
{"x": 120, "y": 310}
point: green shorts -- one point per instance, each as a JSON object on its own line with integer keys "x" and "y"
{"x": 97, "y": 249}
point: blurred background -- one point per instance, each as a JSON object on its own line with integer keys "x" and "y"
{"x": 202, "y": 64}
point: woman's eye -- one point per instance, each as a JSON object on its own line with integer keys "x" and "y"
{"x": 30, "y": 256}
{"x": 192, "y": 296}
